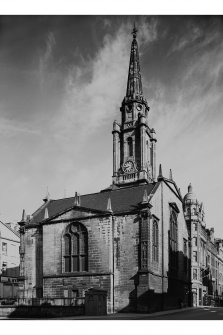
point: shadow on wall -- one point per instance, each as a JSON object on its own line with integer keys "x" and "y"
{"x": 177, "y": 288}
{"x": 44, "y": 311}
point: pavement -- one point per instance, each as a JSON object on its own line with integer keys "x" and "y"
{"x": 189, "y": 313}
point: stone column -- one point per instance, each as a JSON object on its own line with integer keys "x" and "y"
{"x": 116, "y": 148}
{"x": 153, "y": 158}
{"x": 142, "y": 141}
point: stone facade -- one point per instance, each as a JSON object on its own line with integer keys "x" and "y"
{"x": 130, "y": 240}
{"x": 206, "y": 252}
{"x": 9, "y": 260}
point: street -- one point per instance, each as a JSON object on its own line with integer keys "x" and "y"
{"x": 204, "y": 313}
{"x": 199, "y": 313}
{"x": 195, "y": 313}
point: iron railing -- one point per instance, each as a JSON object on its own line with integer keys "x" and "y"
{"x": 51, "y": 301}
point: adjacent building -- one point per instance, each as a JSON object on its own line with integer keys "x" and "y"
{"x": 9, "y": 260}
{"x": 206, "y": 252}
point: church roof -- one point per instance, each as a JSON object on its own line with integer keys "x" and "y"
{"x": 124, "y": 199}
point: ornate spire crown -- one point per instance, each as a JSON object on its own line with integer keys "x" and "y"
{"x": 134, "y": 84}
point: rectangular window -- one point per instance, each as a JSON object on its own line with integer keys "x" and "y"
{"x": 65, "y": 293}
{"x": 195, "y": 241}
{"x": 195, "y": 256}
{"x": 195, "y": 274}
{"x": 4, "y": 248}
{"x": 195, "y": 226}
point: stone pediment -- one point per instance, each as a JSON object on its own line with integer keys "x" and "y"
{"x": 74, "y": 213}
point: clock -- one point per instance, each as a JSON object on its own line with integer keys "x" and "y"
{"x": 128, "y": 166}
{"x": 139, "y": 107}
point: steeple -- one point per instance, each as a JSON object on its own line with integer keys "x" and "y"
{"x": 134, "y": 84}
{"x": 134, "y": 142}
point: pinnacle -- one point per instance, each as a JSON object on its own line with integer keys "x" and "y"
{"x": 160, "y": 176}
{"x": 109, "y": 207}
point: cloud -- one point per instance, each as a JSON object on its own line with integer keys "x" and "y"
{"x": 93, "y": 93}
{"x": 46, "y": 56}
{"x": 10, "y": 128}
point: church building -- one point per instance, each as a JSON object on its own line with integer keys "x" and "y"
{"x": 130, "y": 240}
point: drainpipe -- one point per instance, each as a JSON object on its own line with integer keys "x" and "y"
{"x": 162, "y": 223}
{"x": 113, "y": 265}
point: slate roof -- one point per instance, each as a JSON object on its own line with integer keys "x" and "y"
{"x": 124, "y": 199}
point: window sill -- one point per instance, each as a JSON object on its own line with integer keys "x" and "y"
{"x": 77, "y": 274}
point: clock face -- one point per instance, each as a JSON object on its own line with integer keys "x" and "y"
{"x": 128, "y": 166}
{"x": 139, "y": 107}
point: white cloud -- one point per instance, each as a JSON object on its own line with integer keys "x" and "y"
{"x": 9, "y": 128}
{"x": 90, "y": 103}
{"x": 46, "y": 57}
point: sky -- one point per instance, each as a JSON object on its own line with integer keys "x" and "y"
{"x": 62, "y": 81}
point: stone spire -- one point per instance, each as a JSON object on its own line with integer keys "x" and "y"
{"x": 109, "y": 207}
{"x": 145, "y": 197}
{"x": 46, "y": 214}
{"x": 160, "y": 176}
{"x": 190, "y": 189}
{"x": 134, "y": 84}
{"x": 77, "y": 199}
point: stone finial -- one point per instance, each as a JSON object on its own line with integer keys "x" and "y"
{"x": 46, "y": 214}
{"x": 24, "y": 218}
{"x": 145, "y": 197}
{"x": 190, "y": 189}
{"x": 47, "y": 196}
{"x": 134, "y": 31}
{"x": 77, "y": 199}
{"x": 171, "y": 175}
{"x": 109, "y": 207}
{"x": 160, "y": 176}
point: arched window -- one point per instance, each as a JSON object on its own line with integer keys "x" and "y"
{"x": 155, "y": 241}
{"x": 147, "y": 150}
{"x": 173, "y": 240}
{"x": 129, "y": 146}
{"x": 75, "y": 248}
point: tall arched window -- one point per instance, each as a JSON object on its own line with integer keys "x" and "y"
{"x": 129, "y": 146}
{"x": 75, "y": 248}
{"x": 173, "y": 240}
{"x": 155, "y": 241}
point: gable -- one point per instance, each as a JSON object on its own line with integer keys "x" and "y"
{"x": 75, "y": 212}
{"x": 8, "y": 233}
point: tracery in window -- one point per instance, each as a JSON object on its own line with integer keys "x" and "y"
{"x": 173, "y": 240}
{"x": 75, "y": 248}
